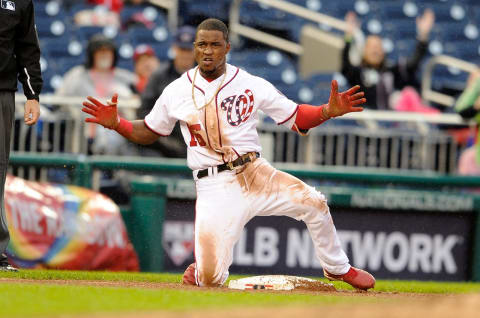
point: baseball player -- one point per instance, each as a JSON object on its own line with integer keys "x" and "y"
{"x": 217, "y": 106}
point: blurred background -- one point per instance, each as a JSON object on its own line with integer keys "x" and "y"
{"x": 395, "y": 174}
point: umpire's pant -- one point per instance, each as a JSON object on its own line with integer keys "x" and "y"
{"x": 7, "y": 117}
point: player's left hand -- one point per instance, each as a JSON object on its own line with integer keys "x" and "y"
{"x": 345, "y": 102}
{"x": 32, "y": 112}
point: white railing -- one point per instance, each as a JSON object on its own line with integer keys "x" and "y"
{"x": 430, "y": 95}
{"x": 384, "y": 139}
{"x": 172, "y": 9}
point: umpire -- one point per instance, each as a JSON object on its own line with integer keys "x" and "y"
{"x": 19, "y": 58}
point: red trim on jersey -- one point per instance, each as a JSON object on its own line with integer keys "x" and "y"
{"x": 290, "y": 117}
{"x": 201, "y": 90}
{"x": 229, "y": 80}
{"x": 153, "y": 130}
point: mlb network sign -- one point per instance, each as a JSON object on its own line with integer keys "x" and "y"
{"x": 390, "y": 244}
{"x": 385, "y": 254}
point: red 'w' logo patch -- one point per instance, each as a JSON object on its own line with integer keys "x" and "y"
{"x": 242, "y": 106}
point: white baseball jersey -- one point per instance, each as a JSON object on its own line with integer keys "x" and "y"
{"x": 218, "y": 125}
{"x": 219, "y": 122}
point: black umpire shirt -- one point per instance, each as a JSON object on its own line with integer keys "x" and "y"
{"x": 19, "y": 49}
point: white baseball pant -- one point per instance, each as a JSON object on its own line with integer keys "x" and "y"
{"x": 226, "y": 201}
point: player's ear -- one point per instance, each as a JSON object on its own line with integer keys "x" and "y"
{"x": 228, "y": 47}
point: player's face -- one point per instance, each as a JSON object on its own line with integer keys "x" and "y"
{"x": 210, "y": 52}
{"x": 373, "y": 53}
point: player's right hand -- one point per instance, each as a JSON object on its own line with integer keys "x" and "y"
{"x": 105, "y": 115}
{"x": 344, "y": 102}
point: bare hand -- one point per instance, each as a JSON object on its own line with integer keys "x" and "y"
{"x": 425, "y": 24}
{"x": 32, "y": 112}
{"x": 105, "y": 115}
{"x": 473, "y": 78}
{"x": 345, "y": 102}
{"x": 352, "y": 22}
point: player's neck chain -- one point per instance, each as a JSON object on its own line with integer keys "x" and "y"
{"x": 214, "y": 95}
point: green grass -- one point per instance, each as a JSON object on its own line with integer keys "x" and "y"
{"x": 46, "y": 300}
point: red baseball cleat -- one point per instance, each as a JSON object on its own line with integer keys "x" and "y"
{"x": 356, "y": 277}
{"x": 189, "y": 275}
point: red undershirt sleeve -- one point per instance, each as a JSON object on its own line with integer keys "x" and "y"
{"x": 309, "y": 116}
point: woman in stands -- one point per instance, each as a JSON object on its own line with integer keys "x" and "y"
{"x": 99, "y": 76}
{"x": 379, "y": 79}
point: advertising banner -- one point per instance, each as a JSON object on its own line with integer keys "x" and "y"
{"x": 65, "y": 227}
{"x": 393, "y": 234}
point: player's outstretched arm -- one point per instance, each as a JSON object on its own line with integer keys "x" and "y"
{"x": 309, "y": 116}
{"x": 107, "y": 116}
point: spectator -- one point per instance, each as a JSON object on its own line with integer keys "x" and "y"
{"x": 378, "y": 78}
{"x": 146, "y": 63}
{"x": 184, "y": 59}
{"x": 112, "y": 5}
{"x": 468, "y": 106}
{"x": 99, "y": 76}
{"x": 105, "y": 13}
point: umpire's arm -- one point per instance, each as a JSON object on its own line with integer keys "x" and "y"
{"x": 27, "y": 52}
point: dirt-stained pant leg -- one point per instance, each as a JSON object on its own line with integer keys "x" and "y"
{"x": 273, "y": 192}
{"x": 220, "y": 215}
{"x": 7, "y": 112}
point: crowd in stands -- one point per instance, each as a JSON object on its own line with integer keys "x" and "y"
{"x": 98, "y": 47}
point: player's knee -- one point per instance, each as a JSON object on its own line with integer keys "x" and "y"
{"x": 317, "y": 201}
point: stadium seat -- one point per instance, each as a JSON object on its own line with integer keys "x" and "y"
{"x": 391, "y": 10}
{"x": 86, "y": 32}
{"x": 466, "y": 50}
{"x": 400, "y": 29}
{"x": 48, "y": 28}
{"x": 162, "y": 50}
{"x": 77, "y": 7}
{"x": 49, "y": 9}
{"x": 67, "y": 63}
{"x": 142, "y": 14}
{"x": 207, "y": 8}
{"x": 142, "y": 35}
{"x": 58, "y": 48}
{"x": 258, "y": 60}
{"x": 452, "y": 31}
{"x": 265, "y": 18}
